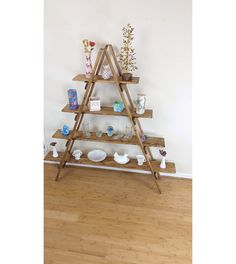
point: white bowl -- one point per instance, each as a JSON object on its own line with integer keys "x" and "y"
{"x": 97, "y": 155}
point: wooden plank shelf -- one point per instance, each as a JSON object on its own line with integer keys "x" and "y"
{"x": 106, "y": 110}
{"x": 109, "y": 162}
{"x": 150, "y": 142}
{"x": 98, "y": 78}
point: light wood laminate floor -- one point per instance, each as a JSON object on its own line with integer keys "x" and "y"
{"x": 101, "y": 216}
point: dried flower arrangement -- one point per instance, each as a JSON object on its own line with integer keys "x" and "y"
{"x": 88, "y": 45}
{"x": 162, "y": 152}
{"x": 127, "y": 56}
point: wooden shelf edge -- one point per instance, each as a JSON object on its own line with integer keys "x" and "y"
{"x": 109, "y": 162}
{"x": 107, "y": 110}
{"x": 98, "y": 78}
{"x": 150, "y": 142}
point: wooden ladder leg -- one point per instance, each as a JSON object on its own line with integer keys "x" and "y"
{"x": 131, "y": 119}
{"x": 79, "y": 117}
{"x": 124, "y": 86}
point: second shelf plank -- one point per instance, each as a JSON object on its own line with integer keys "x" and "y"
{"x": 150, "y": 142}
{"x": 106, "y": 110}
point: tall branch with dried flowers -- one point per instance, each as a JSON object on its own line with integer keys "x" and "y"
{"x": 88, "y": 47}
{"x": 127, "y": 55}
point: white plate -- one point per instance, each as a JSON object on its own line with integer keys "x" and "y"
{"x": 123, "y": 161}
{"x": 97, "y": 155}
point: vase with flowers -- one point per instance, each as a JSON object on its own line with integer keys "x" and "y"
{"x": 163, "y": 161}
{"x": 127, "y": 55}
{"x": 88, "y": 47}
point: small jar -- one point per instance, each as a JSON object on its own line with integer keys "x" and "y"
{"x": 118, "y": 106}
{"x": 110, "y": 131}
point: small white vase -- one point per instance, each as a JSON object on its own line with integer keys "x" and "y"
{"x": 163, "y": 163}
{"x": 54, "y": 152}
{"x": 106, "y": 72}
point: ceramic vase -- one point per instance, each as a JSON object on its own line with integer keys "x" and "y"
{"x": 163, "y": 163}
{"x": 141, "y": 101}
{"x": 73, "y": 101}
{"x": 54, "y": 152}
{"x": 88, "y": 65}
{"x": 106, "y": 72}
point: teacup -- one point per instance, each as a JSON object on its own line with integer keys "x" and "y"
{"x": 141, "y": 159}
{"x": 77, "y": 154}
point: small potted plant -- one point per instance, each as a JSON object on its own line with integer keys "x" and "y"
{"x": 163, "y": 161}
{"x": 127, "y": 55}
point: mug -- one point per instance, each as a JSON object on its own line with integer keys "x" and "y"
{"x": 141, "y": 159}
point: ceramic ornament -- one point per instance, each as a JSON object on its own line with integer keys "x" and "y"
{"x": 106, "y": 72}
{"x": 54, "y": 150}
{"x": 163, "y": 161}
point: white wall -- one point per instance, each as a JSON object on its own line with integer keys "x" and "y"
{"x": 163, "y": 47}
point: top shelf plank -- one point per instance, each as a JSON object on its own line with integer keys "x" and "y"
{"x": 98, "y": 78}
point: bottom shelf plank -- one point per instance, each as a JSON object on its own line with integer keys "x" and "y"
{"x": 109, "y": 162}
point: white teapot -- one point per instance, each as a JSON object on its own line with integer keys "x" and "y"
{"x": 121, "y": 159}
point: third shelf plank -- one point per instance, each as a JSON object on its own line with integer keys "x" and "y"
{"x": 150, "y": 142}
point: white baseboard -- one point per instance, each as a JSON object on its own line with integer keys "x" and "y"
{"x": 178, "y": 175}
{"x": 175, "y": 175}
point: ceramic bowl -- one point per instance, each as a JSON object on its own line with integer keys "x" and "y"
{"x": 97, "y": 155}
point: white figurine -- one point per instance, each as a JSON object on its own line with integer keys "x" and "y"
{"x": 77, "y": 154}
{"x": 163, "y": 161}
{"x": 54, "y": 150}
{"x": 121, "y": 159}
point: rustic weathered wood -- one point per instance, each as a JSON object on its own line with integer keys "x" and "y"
{"x": 149, "y": 153}
{"x": 109, "y": 162}
{"x": 78, "y": 120}
{"x": 119, "y": 86}
{"x": 151, "y": 165}
{"x": 106, "y": 110}
{"x": 78, "y": 135}
{"x": 98, "y": 78}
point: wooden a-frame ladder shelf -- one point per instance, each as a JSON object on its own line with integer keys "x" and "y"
{"x": 65, "y": 157}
